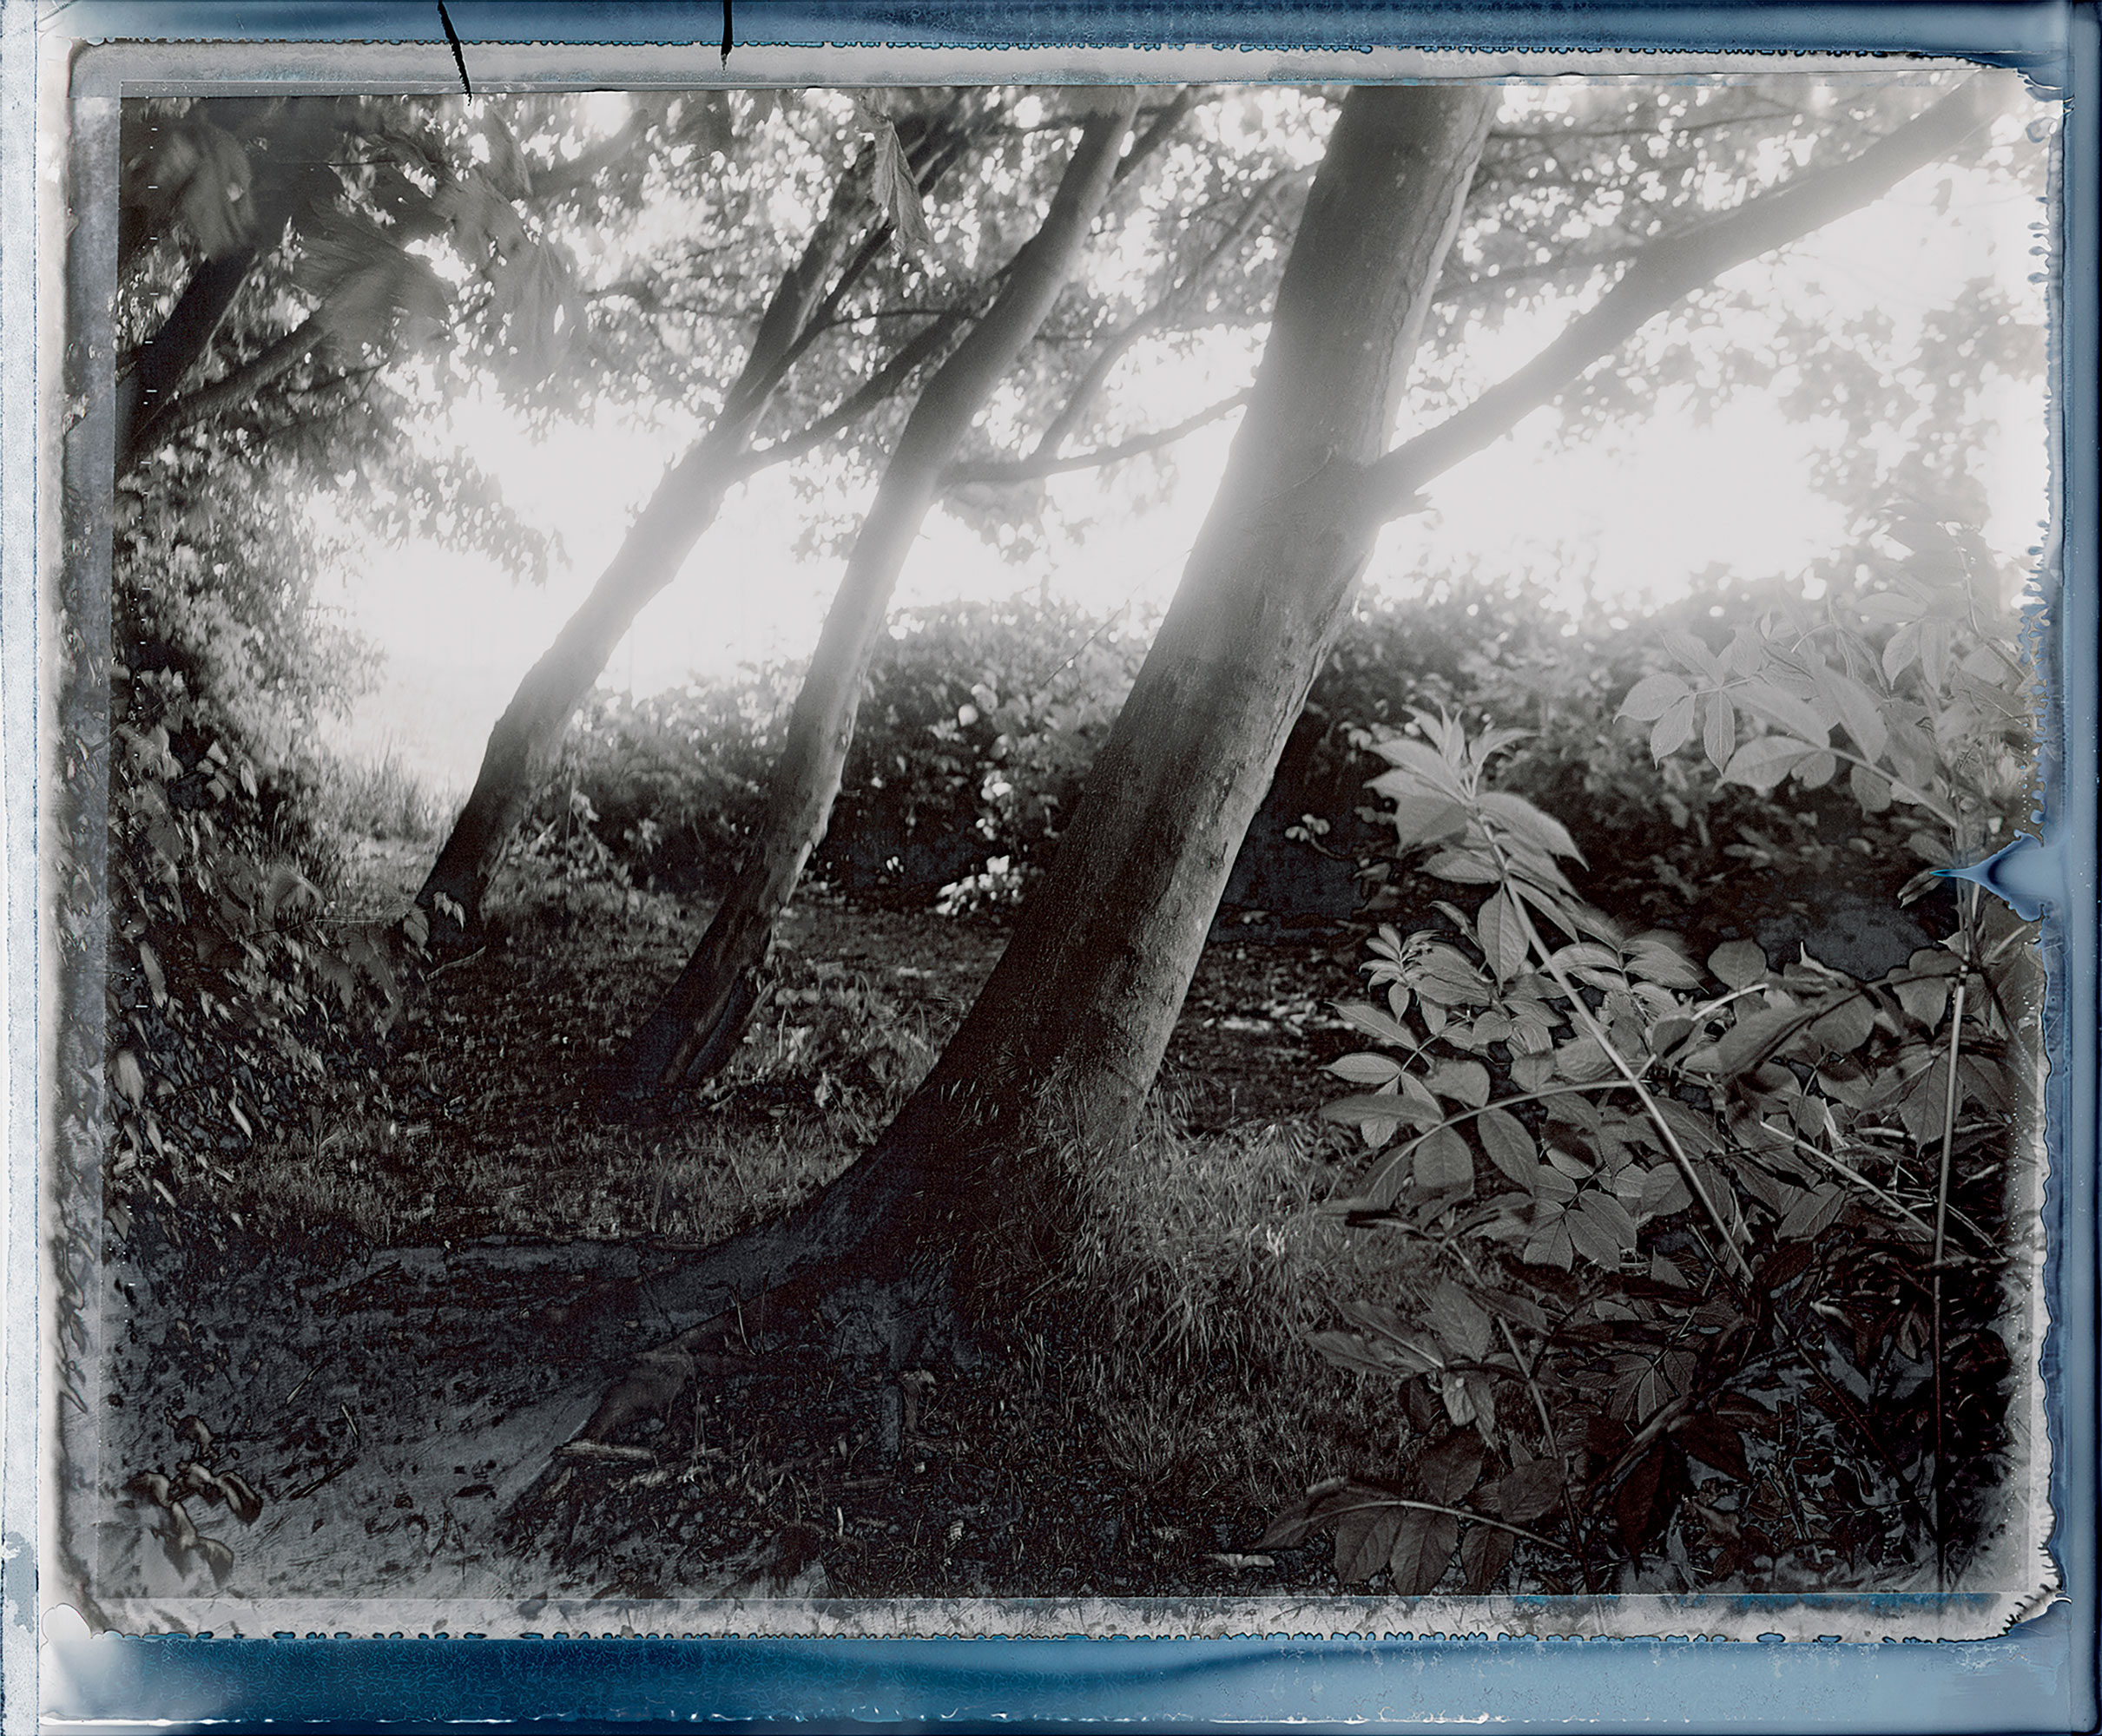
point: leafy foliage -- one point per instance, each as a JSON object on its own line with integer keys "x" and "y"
{"x": 1705, "y": 1261}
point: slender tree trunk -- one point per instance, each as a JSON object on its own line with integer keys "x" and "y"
{"x": 1067, "y": 1035}
{"x": 526, "y": 737}
{"x": 695, "y": 1028}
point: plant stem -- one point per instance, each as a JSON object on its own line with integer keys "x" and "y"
{"x": 1949, "y": 1142}
{"x": 1384, "y": 1500}
{"x": 1584, "y": 1015}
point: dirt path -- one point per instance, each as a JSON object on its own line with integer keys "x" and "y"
{"x": 373, "y": 1352}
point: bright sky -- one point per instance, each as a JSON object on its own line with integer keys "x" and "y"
{"x": 1638, "y": 517}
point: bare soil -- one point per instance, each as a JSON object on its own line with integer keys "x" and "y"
{"x": 366, "y": 1324}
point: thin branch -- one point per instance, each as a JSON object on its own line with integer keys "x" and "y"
{"x": 1385, "y": 1500}
{"x": 1118, "y": 345}
{"x": 882, "y": 385}
{"x": 243, "y": 381}
{"x": 1666, "y": 272}
{"x": 1029, "y": 469}
{"x": 1165, "y": 120}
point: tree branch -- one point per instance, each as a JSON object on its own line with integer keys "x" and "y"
{"x": 1664, "y": 273}
{"x": 242, "y": 381}
{"x": 882, "y": 385}
{"x": 1114, "y": 349}
{"x": 1041, "y": 463}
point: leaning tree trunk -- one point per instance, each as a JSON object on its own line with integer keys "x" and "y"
{"x": 1065, "y": 1040}
{"x": 695, "y": 1028}
{"x": 685, "y": 504}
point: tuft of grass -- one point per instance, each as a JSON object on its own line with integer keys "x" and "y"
{"x": 382, "y": 799}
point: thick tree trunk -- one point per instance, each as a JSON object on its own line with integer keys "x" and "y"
{"x": 1064, "y": 1041}
{"x": 695, "y": 1028}
{"x": 1066, "y": 1036}
{"x": 526, "y": 737}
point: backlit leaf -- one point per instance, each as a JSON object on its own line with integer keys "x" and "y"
{"x": 1653, "y": 696}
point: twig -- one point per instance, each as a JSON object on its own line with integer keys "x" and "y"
{"x": 1596, "y": 1033}
{"x": 1457, "y": 1512}
{"x": 1948, "y": 1141}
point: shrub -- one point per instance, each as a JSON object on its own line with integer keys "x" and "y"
{"x": 1702, "y": 1265}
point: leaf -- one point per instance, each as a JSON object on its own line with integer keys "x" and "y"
{"x": 1593, "y": 1239}
{"x": 1422, "y": 1547}
{"x": 1529, "y": 1491}
{"x": 1365, "y": 1539}
{"x": 1663, "y": 1192}
{"x": 1464, "y": 867}
{"x": 1858, "y": 710}
{"x": 1813, "y": 1211}
{"x": 1739, "y": 964}
{"x": 1845, "y": 1026}
{"x": 1443, "y": 1163}
{"x": 1551, "y": 1246}
{"x": 1597, "y": 1209}
{"x": 1288, "y": 1529}
{"x": 1924, "y": 1001}
{"x": 1764, "y": 761}
{"x": 1525, "y": 821}
{"x": 1449, "y": 1469}
{"x": 1871, "y": 789}
{"x": 1718, "y": 728}
{"x": 1757, "y": 1036}
{"x": 1713, "y": 1442}
{"x": 1463, "y": 1081}
{"x": 1419, "y": 817}
{"x": 1635, "y": 1502}
{"x": 896, "y": 192}
{"x": 1349, "y": 1351}
{"x": 1459, "y": 1321}
{"x": 1764, "y": 699}
{"x": 1673, "y": 730}
{"x": 1691, "y": 652}
{"x": 1485, "y": 1552}
{"x": 1502, "y": 935}
{"x": 1366, "y": 1070}
{"x": 1653, "y": 696}
{"x": 1509, "y": 1147}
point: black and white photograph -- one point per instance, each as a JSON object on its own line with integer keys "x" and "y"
{"x": 835, "y": 855}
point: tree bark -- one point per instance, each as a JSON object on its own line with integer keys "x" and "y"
{"x": 1064, "y": 1041}
{"x": 695, "y": 1028}
{"x": 527, "y": 736}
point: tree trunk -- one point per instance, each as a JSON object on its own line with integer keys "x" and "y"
{"x": 695, "y": 1028}
{"x": 1065, "y": 1038}
{"x": 529, "y": 733}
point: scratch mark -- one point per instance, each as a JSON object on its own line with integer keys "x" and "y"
{"x": 726, "y": 32}
{"x": 459, "y": 55}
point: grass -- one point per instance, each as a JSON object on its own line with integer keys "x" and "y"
{"x": 1190, "y": 1264}
{"x": 382, "y": 799}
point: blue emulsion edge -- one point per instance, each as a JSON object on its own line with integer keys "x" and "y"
{"x": 2041, "y": 1678}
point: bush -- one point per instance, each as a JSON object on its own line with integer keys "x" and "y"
{"x": 1702, "y": 1266}
{"x": 978, "y": 724}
